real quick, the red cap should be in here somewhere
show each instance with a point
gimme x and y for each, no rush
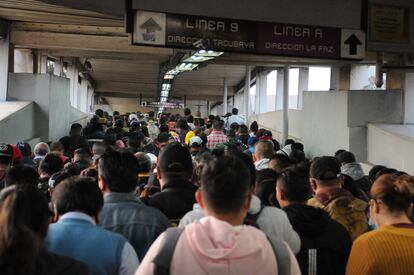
(17, 154)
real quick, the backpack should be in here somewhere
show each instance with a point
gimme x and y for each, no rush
(350, 214)
(251, 219)
(162, 260)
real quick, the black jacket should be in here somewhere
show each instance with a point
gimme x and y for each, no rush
(325, 242)
(176, 198)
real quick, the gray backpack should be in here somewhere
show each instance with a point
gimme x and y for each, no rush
(163, 258)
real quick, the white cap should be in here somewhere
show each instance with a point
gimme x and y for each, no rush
(133, 117)
(196, 140)
(153, 158)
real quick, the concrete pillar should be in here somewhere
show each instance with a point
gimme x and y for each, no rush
(208, 108)
(4, 64)
(409, 98)
(395, 80)
(279, 89)
(225, 97)
(261, 92)
(341, 78)
(285, 133)
(303, 85)
(246, 100)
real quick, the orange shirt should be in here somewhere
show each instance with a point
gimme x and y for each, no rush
(387, 250)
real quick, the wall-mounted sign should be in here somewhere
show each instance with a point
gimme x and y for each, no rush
(389, 24)
(166, 105)
(228, 35)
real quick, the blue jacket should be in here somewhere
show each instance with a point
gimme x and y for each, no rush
(79, 239)
(141, 225)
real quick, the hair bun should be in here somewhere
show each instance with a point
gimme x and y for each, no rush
(404, 185)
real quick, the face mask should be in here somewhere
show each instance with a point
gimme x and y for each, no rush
(372, 224)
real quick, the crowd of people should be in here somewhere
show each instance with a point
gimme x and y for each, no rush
(137, 194)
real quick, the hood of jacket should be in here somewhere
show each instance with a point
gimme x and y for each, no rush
(262, 164)
(353, 169)
(217, 244)
(307, 220)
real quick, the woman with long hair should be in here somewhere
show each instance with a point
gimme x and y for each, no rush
(24, 221)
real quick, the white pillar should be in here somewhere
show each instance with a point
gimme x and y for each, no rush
(262, 91)
(409, 98)
(4, 66)
(285, 103)
(303, 85)
(279, 89)
(225, 97)
(246, 100)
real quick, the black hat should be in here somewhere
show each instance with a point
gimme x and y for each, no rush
(6, 150)
(164, 137)
(57, 178)
(325, 168)
(175, 158)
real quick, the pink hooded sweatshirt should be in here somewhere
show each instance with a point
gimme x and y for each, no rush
(212, 246)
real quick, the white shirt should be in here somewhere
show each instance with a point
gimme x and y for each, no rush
(129, 258)
(234, 119)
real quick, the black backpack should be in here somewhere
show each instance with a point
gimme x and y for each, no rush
(251, 219)
(163, 258)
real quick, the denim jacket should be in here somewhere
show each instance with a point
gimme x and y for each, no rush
(125, 214)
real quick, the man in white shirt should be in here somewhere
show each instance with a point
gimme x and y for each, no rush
(234, 118)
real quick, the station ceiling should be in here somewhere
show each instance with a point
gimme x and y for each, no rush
(121, 70)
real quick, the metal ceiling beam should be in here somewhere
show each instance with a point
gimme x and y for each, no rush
(153, 96)
(46, 40)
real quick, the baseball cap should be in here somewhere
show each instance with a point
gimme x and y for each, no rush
(325, 168)
(196, 141)
(134, 123)
(175, 158)
(57, 178)
(6, 150)
(133, 117)
(153, 158)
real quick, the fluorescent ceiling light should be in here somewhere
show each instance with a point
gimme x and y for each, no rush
(164, 93)
(173, 72)
(195, 59)
(166, 86)
(169, 76)
(184, 67)
(208, 53)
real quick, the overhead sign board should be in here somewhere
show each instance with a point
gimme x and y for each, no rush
(389, 24)
(229, 35)
(167, 105)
